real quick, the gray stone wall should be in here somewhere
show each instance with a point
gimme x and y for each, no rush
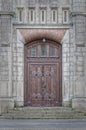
(79, 27)
(5, 50)
(5, 54)
(37, 4)
(6, 5)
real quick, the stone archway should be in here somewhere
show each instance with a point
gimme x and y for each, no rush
(27, 37)
(54, 36)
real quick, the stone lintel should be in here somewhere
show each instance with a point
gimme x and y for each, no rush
(7, 13)
(78, 13)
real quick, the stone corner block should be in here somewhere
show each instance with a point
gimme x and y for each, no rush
(79, 103)
(6, 104)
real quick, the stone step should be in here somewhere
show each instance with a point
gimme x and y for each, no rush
(43, 113)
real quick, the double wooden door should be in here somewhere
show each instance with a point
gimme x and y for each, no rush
(43, 74)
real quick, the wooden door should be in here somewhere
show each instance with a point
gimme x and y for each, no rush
(43, 74)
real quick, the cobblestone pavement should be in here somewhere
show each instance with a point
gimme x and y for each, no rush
(43, 124)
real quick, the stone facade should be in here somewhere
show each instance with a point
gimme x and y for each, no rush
(16, 30)
(79, 27)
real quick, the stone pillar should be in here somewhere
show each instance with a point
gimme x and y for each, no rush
(18, 67)
(65, 69)
(6, 14)
(79, 27)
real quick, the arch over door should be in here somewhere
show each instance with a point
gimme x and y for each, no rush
(43, 73)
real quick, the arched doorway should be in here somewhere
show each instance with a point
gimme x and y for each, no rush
(43, 64)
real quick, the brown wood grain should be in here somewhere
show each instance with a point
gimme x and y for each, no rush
(43, 75)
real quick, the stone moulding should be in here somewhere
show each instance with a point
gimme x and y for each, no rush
(7, 13)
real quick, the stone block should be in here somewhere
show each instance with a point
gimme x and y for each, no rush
(6, 104)
(66, 103)
(3, 88)
(79, 103)
(79, 87)
(19, 103)
(79, 68)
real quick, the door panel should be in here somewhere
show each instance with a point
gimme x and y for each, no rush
(43, 70)
(43, 84)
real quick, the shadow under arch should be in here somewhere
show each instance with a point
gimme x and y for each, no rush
(31, 35)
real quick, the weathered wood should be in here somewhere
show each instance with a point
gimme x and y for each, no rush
(43, 74)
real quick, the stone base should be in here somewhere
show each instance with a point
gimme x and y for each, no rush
(18, 104)
(79, 103)
(6, 104)
(66, 104)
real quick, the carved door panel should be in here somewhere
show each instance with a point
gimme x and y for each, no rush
(44, 85)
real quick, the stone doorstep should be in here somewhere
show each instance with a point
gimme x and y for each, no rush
(42, 128)
(43, 113)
